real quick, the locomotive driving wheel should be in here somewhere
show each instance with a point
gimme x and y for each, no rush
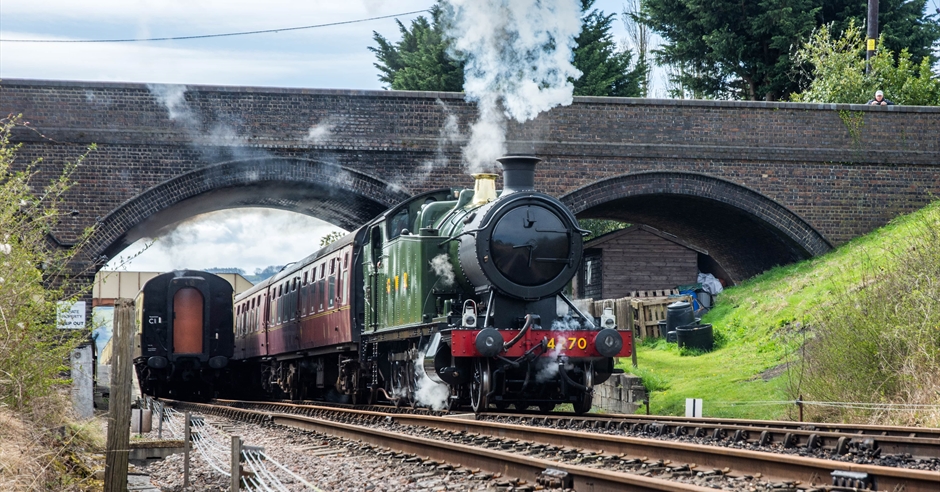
(583, 405)
(480, 386)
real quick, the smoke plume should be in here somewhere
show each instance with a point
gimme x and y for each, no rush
(518, 61)
(443, 269)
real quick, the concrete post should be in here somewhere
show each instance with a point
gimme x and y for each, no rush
(83, 390)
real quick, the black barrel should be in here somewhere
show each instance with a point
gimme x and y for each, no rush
(696, 336)
(679, 314)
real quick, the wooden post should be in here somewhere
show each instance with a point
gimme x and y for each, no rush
(159, 407)
(236, 462)
(187, 439)
(119, 408)
(632, 327)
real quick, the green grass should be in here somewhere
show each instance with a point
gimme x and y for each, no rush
(761, 324)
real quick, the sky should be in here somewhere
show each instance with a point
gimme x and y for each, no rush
(333, 57)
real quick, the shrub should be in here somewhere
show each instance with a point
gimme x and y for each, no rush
(34, 277)
(879, 343)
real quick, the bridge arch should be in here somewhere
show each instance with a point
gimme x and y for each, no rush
(336, 194)
(743, 230)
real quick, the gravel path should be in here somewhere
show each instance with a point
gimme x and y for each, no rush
(329, 463)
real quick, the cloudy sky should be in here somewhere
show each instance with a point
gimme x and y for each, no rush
(324, 57)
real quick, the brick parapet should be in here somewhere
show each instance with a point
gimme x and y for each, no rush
(838, 170)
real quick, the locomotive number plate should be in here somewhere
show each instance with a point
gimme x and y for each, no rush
(568, 343)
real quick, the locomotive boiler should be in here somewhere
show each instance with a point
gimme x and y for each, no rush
(184, 334)
(454, 297)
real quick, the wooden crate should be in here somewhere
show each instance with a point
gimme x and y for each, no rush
(649, 311)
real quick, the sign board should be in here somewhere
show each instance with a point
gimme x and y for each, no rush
(693, 407)
(70, 315)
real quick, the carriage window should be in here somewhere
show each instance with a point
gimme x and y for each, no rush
(346, 261)
(322, 270)
(313, 297)
(322, 291)
(332, 267)
(332, 291)
(305, 277)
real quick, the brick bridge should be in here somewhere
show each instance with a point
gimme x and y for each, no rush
(755, 184)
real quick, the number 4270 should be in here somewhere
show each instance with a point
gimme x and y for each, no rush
(580, 342)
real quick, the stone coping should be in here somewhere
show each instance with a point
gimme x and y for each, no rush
(629, 101)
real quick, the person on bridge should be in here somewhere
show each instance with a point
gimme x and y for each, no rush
(880, 100)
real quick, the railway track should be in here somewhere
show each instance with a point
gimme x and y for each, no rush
(566, 457)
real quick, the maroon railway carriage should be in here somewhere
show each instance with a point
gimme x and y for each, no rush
(299, 320)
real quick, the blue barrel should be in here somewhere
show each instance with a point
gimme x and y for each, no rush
(679, 314)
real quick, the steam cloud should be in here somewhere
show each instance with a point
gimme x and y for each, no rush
(518, 60)
(443, 269)
(450, 133)
(427, 392)
(173, 98)
(320, 133)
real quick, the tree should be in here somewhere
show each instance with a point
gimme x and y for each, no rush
(331, 238)
(599, 227)
(34, 278)
(640, 36)
(838, 71)
(742, 50)
(605, 71)
(901, 24)
(731, 49)
(420, 60)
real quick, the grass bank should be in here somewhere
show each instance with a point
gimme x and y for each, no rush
(763, 324)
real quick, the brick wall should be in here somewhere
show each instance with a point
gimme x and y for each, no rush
(766, 183)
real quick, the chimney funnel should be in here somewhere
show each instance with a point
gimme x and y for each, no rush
(518, 173)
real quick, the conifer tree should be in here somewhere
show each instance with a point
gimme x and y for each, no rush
(605, 71)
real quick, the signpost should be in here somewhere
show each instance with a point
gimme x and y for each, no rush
(70, 315)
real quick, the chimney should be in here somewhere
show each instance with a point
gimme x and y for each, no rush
(518, 173)
(484, 188)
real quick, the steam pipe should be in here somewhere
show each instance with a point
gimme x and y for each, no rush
(568, 380)
(388, 396)
(522, 332)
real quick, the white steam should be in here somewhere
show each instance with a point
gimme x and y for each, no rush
(173, 98)
(427, 392)
(518, 61)
(566, 323)
(443, 269)
(449, 134)
(548, 366)
(320, 133)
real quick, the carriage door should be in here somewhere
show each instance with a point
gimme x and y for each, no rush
(375, 283)
(187, 321)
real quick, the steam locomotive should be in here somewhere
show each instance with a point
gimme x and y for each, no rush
(454, 297)
(183, 338)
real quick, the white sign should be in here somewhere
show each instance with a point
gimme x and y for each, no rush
(693, 407)
(70, 316)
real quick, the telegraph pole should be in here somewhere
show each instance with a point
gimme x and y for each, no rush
(872, 35)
